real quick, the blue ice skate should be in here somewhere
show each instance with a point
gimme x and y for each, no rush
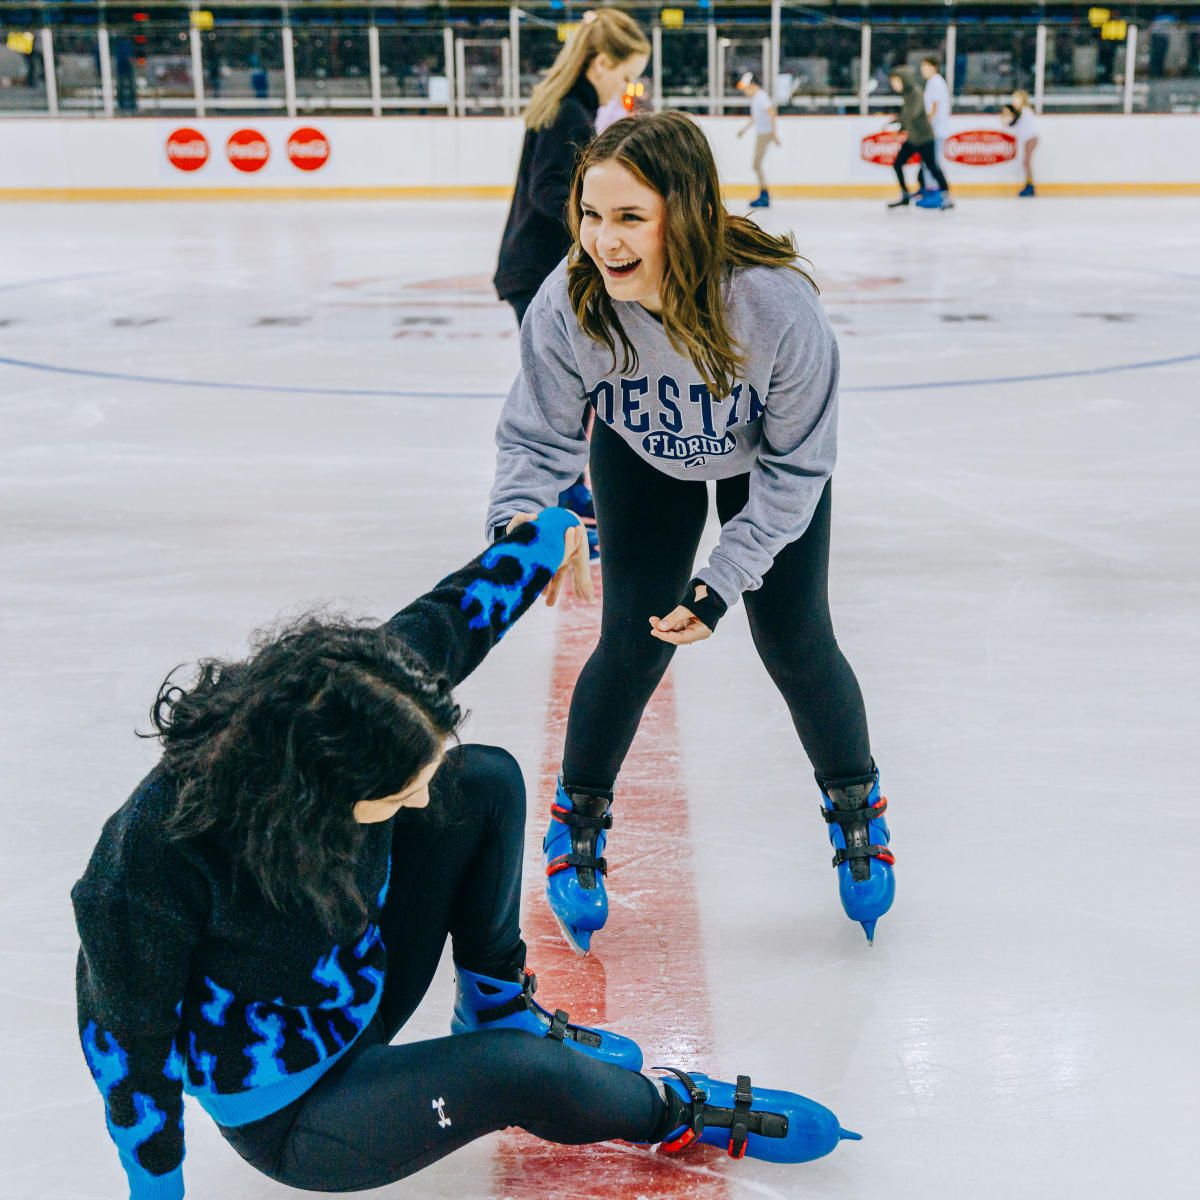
(853, 810)
(1028, 190)
(578, 499)
(934, 199)
(575, 866)
(780, 1127)
(763, 201)
(481, 1002)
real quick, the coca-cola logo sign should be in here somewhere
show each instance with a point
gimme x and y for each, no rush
(247, 150)
(308, 149)
(187, 149)
(980, 147)
(883, 147)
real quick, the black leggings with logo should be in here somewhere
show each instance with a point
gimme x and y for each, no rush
(383, 1112)
(650, 525)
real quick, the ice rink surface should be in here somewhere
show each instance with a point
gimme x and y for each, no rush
(211, 416)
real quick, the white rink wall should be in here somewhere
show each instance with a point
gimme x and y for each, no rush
(81, 159)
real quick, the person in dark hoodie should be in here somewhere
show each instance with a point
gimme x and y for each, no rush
(600, 60)
(913, 122)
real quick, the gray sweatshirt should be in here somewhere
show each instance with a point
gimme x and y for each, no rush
(779, 422)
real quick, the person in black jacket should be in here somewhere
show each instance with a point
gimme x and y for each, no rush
(600, 60)
(268, 908)
(602, 57)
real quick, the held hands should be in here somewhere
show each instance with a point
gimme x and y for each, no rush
(576, 562)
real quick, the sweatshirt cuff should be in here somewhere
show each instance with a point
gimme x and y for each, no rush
(144, 1186)
(710, 609)
(725, 579)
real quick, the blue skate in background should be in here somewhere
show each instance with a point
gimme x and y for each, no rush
(578, 499)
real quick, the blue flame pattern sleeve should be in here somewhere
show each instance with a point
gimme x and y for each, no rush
(453, 626)
(132, 973)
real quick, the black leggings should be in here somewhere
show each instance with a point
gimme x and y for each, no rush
(929, 162)
(375, 1116)
(650, 526)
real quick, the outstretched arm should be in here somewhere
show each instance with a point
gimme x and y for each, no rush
(454, 625)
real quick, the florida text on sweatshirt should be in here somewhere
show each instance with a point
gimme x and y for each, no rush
(187, 982)
(779, 421)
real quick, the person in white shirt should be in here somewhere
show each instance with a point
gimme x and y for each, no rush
(937, 106)
(1018, 115)
(762, 119)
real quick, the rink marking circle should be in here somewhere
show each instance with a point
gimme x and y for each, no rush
(389, 394)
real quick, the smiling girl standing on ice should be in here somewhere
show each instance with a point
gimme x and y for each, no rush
(703, 349)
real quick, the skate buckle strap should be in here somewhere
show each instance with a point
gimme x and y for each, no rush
(561, 1029)
(854, 816)
(560, 1022)
(880, 852)
(739, 1131)
(741, 1120)
(517, 1004)
(564, 861)
(692, 1131)
(568, 816)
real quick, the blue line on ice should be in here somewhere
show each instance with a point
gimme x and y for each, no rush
(388, 394)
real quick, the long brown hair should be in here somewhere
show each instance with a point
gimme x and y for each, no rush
(702, 242)
(604, 31)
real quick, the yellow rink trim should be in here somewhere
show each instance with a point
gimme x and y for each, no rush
(803, 191)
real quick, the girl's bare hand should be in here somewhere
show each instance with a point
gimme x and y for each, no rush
(680, 627)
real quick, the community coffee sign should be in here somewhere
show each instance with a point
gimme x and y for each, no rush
(971, 148)
(981, 147)
(248, 150)
(883, 147)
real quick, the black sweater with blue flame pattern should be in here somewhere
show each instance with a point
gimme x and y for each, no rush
(186, 982)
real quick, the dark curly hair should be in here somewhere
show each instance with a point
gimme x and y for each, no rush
(272, 753)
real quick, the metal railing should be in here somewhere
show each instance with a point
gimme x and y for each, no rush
(194, 62)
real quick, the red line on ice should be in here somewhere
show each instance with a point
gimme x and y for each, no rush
(647, 976)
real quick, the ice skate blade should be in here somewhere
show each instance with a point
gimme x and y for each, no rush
(581, 948)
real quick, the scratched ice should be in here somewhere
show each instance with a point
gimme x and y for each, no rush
(1014, 579)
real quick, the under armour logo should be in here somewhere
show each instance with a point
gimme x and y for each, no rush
(443, 1120)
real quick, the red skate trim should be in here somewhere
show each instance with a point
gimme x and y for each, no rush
(686, 1138)
(557, 864)
(736, 1154)
(886, 856)
(555, 809)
